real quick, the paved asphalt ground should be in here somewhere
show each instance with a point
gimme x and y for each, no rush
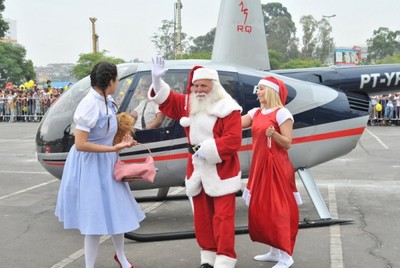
(363, 185)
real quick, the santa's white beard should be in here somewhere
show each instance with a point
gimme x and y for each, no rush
(202, 102)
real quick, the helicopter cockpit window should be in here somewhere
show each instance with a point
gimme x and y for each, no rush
(147, 113)
(123, 87)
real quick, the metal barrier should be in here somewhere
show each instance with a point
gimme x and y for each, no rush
(23, 109)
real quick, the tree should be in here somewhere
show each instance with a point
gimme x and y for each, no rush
(280, 29)
(383, 43)
(13, 65)
(203, 43)
(275, 59)
(390, 59)
(325, 41)
(309, 41)
(164, 40)
(3, 24)
(299, 63)
(317, 42)
(86, 63)
(199, 55)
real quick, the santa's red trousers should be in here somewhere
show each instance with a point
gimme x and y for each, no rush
(214, 223)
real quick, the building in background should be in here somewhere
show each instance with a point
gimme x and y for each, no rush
(350, 56)
(55, 72)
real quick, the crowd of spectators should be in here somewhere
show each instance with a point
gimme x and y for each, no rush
(385, 110)
(27, 104)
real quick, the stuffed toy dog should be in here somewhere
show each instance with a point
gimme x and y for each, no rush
(125, 126)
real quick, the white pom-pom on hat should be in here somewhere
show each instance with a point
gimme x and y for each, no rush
(185, 121)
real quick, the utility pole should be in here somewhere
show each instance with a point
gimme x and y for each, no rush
(178, 34)
(95, 37)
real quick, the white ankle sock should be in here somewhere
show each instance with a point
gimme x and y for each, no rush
(273, 255)
(285, 261)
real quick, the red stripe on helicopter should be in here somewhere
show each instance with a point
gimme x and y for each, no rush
(311, 138)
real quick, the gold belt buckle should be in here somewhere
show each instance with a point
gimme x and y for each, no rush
(195, 148)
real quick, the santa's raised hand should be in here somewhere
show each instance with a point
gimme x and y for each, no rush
(157, 71)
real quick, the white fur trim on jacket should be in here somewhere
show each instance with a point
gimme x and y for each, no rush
(224, 107)
(162, 95)
(205, 176)
(222, 261)
(211, 151)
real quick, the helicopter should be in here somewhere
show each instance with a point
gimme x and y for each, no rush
(330, 106)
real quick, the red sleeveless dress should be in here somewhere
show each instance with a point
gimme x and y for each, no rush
(273, 211)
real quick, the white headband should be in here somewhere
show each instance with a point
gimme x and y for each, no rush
(269, 84)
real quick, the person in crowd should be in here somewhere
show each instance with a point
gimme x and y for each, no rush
(12, 105)
(397, 102)
(90, 199)
(211, 119)
(147, 115)
(372, 110)
(388, 115)
(2, 104)
(271, 127)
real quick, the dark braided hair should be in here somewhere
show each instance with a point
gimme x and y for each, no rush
(100, 77)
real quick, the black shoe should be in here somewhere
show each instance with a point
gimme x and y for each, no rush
(205, 265)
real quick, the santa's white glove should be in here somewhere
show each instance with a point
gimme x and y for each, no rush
(157, 71)
(200, 153)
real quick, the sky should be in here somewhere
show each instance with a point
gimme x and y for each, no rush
(58, 31)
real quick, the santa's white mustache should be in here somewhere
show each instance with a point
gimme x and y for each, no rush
(201, 95)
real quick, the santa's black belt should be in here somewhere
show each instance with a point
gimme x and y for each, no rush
(193, 148)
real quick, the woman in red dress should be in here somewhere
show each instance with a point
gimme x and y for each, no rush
(273, 212)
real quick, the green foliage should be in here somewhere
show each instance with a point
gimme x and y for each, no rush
(203, 43)
(3, 24)
(275, 59)
(317, 40)
(299, 63)
(383, 43)
(165, 40)
(198, 55)
(86, 63)
(280, 29)
(309, 40)
(13, 65)
(390, 59)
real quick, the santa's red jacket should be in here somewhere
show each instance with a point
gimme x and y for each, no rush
(219, 131)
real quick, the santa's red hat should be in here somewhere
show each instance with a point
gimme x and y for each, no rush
(190, 79)
(276, 85)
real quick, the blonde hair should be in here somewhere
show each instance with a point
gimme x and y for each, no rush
(272, 98)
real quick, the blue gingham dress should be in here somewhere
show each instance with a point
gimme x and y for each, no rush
(90, 199)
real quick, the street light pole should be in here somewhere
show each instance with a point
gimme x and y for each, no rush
(330, 47)
(95, 37)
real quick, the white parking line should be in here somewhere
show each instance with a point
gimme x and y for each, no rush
(27, 189)
(336, 248)
(24, 172)
(378, 139)
(79, 253)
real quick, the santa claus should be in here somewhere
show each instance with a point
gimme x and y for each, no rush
(212, 121)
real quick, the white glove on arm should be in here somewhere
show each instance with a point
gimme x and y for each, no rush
(200, 153)
(157, 71)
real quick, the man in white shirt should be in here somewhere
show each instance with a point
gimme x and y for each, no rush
(147, 115)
